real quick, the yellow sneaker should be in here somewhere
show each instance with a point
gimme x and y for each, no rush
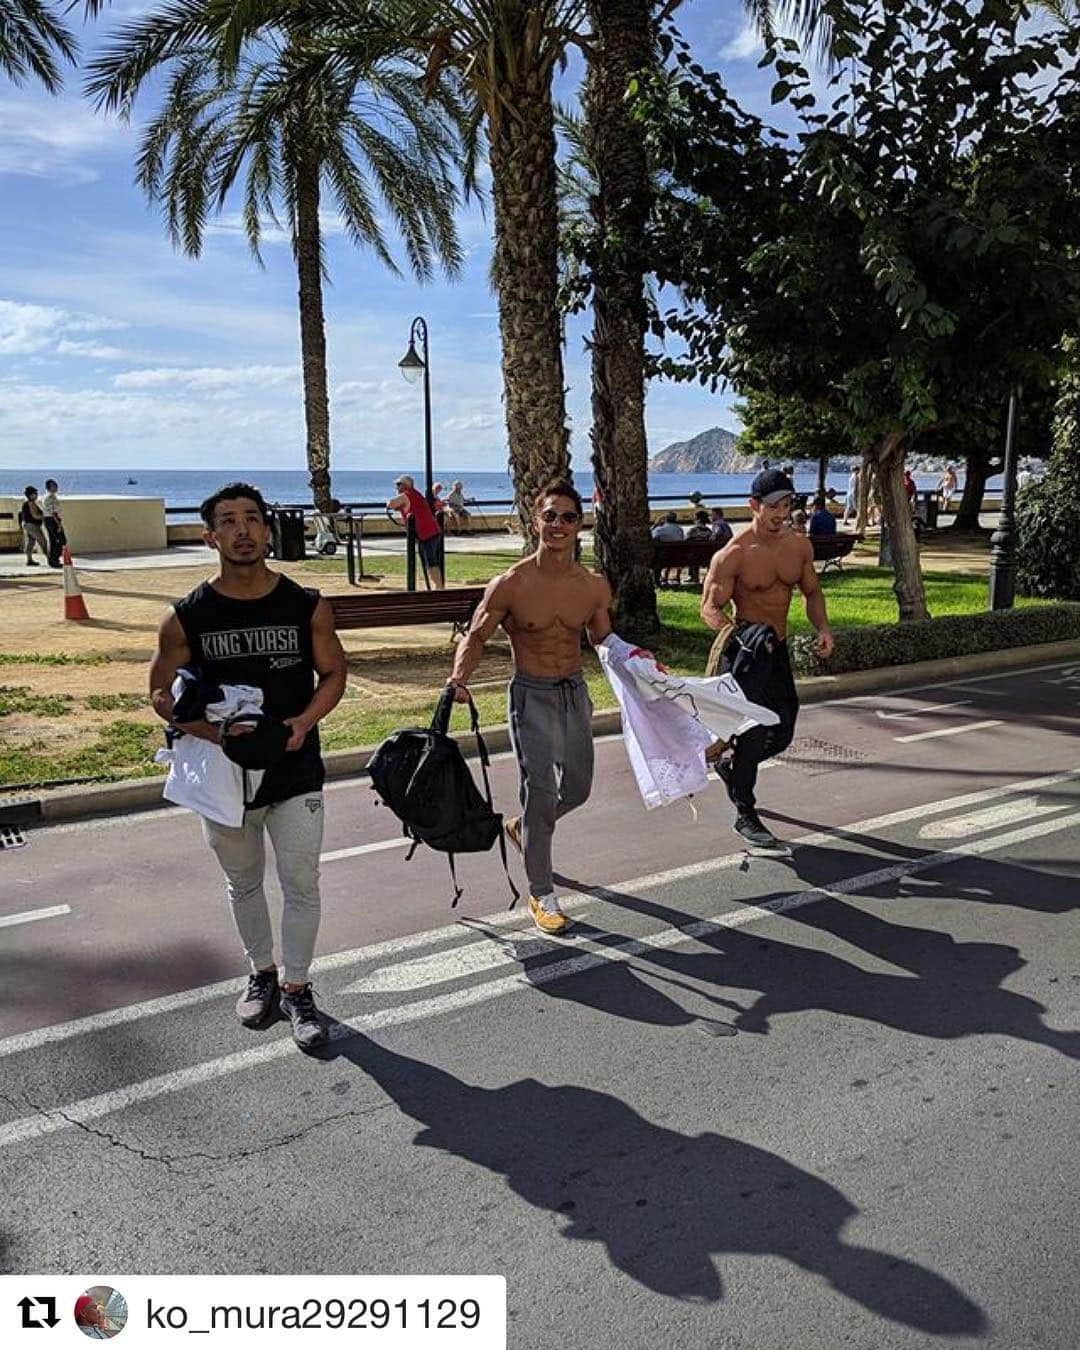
(512, 826)
(548, 921)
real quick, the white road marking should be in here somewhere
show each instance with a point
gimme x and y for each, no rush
(33, 915)
(338, 853)
(917, 712)
(53, 1120)
(62, 1031)
(1019, 808)
(949, 731)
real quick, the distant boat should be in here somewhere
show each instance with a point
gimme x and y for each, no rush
(132, 481)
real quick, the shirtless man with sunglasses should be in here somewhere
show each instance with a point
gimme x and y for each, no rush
(543, 602)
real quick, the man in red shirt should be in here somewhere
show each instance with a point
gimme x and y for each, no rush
(409, 502)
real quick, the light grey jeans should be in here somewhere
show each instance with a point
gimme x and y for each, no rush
(295, 828)
(551, 731)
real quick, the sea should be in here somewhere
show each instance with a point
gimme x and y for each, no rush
(188, 487)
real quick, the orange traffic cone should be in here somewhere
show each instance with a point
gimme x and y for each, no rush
(74, 604)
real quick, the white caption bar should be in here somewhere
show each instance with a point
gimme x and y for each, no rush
(387, 1312)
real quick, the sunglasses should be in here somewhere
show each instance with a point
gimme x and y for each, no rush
(567, 517)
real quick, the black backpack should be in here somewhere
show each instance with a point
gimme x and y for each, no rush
(422, 776)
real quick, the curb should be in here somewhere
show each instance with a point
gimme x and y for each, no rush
(142, 794)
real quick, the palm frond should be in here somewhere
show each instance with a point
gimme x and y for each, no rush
(31, 41)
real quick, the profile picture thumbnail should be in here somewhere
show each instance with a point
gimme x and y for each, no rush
(101, 1312)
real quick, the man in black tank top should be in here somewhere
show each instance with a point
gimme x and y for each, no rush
(253, 626)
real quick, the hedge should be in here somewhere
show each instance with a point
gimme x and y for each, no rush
(956, 635)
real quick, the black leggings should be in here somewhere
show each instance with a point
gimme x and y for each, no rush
(773, 686)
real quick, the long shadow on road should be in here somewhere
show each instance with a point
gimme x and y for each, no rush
(957, 991)
(662, 1203)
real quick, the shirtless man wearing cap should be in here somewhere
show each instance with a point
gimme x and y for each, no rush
(757, 572)
(543, 602)
(249, 625)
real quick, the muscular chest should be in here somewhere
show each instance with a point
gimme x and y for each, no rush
(766, 568)
(541, 611)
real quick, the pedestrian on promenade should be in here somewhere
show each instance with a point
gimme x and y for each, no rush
(543, 602)
(757, 573)
(54, 524)
(851, 501)
(947, 487)
(251, 626)
(32, 520)
(408, 502)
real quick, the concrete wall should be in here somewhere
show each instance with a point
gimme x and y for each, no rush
(98, 524)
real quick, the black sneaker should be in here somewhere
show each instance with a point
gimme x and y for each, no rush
(749, 828)
(257, 1001)
(307, 1027)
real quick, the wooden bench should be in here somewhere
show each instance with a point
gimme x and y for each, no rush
(692, 553)
(831, 549)
(400, 609)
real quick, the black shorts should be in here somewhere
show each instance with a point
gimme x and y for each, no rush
(431, 550)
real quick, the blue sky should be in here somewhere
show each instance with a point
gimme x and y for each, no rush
(116, 351)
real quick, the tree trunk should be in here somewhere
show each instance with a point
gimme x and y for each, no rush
(822, 474)
(975, 476)
(622, 45)
(308, 252)
(908, 585)
(525, 269)
(862, 512)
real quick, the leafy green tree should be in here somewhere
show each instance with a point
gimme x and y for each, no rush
(785, 430)
(250, 105)
(908, 257)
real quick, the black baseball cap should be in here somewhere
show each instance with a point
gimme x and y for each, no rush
(771, 486)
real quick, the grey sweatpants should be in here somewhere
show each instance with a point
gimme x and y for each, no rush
(551, 731)
(295, 827)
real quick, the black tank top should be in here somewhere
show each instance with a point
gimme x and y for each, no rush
(267, 643)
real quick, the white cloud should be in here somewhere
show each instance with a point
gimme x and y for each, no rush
(477, 421)
(99, 351)
(272, 232)
(29, 329)
(60, 139)
(207, 379)
(745, 45)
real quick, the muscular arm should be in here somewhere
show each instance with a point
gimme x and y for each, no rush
(398, 503)
(172, 653)
(814, 596)
(599, 622)
(490, 612)
(329, 660)
(720, 586)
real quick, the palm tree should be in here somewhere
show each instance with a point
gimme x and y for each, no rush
(505, 53)
(31, 40)
(622, 45)
(245, 106)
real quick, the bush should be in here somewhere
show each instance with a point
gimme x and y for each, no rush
(956, 635)
(1047, 519)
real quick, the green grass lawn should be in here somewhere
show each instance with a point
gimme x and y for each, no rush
(465, 569)
(856, 597)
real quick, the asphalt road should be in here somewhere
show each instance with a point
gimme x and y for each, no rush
(756, 1105)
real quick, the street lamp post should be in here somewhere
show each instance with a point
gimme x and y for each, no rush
(413, 365)
(1003, 540)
